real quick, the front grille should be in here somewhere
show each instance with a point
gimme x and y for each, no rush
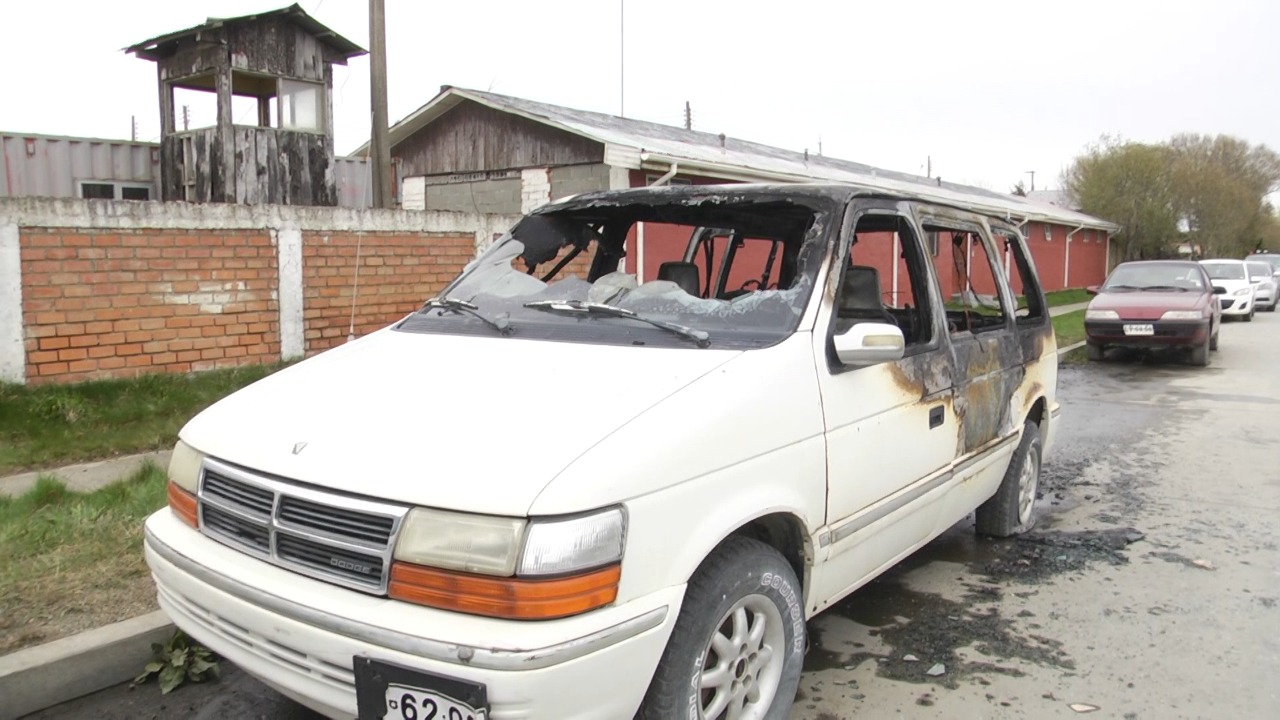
(251, 534)
(373, 529)
(343, 540)
(1227, 303)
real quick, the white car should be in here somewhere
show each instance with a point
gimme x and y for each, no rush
(1266, 288)
(1239, 300)
(597, 495)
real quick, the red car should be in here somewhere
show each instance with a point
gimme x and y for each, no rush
(1154, 304)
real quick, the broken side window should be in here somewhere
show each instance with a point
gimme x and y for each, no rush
(885, 279)
(1023, 282)
(969, 279)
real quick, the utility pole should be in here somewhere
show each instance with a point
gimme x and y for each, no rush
(928, 164)
(379, 152)
(186, 117)
(622, 58)
(1032, 173)
(133, 125)
(688, 116)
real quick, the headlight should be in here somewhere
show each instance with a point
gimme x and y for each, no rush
(184, 476)
(1101, 315)
(465, 563)
(561, 546)
(458, 541)
(1182, 315)
(184, 467)
(505, 546)
(1242, 292)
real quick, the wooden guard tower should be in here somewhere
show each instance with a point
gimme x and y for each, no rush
(272, 139)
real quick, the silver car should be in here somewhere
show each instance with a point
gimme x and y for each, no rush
(1266, 282)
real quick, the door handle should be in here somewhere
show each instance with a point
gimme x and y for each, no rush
(935, 416)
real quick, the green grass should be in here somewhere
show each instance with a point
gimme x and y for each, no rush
(1069, 327)
(1070, 296)
(71, 561)
(50, 425)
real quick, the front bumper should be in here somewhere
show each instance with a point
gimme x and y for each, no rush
(1236, 305)
(1167, 333)
(299, 635)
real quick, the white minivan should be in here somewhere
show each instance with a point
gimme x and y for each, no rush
(617, 464)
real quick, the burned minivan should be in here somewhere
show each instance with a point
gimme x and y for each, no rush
(613, 468)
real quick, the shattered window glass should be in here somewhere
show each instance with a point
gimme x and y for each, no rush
(738, 268)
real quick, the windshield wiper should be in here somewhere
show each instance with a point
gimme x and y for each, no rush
(1165, 287)
(581, 307)
(1121, 287)
(462, 307)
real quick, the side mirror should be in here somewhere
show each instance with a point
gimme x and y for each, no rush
(1092, 289)
(870, 344)
(1219, 290)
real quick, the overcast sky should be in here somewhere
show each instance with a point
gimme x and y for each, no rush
(988, 89)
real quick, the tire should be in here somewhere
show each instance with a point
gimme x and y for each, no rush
(1249, 317)
(1213, 341)
(1200, 354)
(743, 584)
(1094, 352)
(1011, 511)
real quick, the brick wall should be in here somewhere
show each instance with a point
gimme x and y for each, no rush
(396, 274)
(121, 303)
(92, 288)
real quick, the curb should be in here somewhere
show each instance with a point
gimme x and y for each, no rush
(1069, 348)
(46, 675)
(86, 477)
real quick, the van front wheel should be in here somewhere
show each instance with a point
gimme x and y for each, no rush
(738, 645)
(1012, 509)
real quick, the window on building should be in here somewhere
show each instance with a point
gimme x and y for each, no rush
(653, 178)
(301, 105)
(97, 191)
(110, 190)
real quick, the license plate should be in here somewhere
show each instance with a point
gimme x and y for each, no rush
(1139, 330)
(394, 692)
(410, 703)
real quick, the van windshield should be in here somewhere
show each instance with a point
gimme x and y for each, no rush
(726, 269)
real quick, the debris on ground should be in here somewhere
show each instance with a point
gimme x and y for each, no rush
(936, 671)
(1084, 708)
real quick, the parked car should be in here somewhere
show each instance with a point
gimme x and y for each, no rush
(1232, 276)
(1154, 304)
(1270, 258)
(1266, 287)
(567, 490)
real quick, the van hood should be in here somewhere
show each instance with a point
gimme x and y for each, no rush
(474, 424)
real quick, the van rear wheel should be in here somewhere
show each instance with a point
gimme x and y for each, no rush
(1011, 510)
(738, 646)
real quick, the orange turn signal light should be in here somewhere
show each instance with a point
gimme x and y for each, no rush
(504, 597)
(183, 504)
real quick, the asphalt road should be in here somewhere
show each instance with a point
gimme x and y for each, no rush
(1149, 589)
